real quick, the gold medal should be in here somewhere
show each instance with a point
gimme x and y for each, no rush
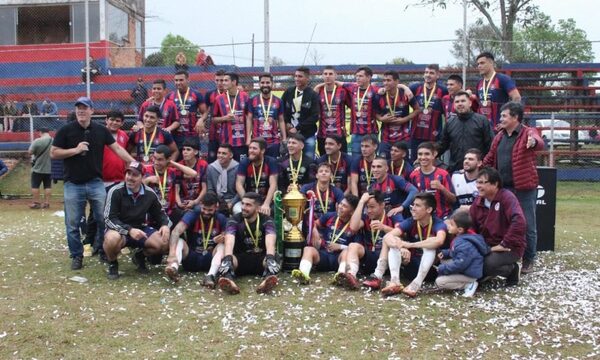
(425, 111)
(163, 202)
(329, 114)
(358, 114)
(486, 89)
(427, 100)
(183, 112)
(484, 103)
(146, 158)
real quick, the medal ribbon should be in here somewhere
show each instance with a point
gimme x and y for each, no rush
(254, 236)
(335, 237)
(207, 238)
(375, 235)
(392, 108)
(427, 100)
(148, 145)
(486, 89)
(258, 175)
(295, 172)
(182, 102)
(401, 168)
(337, 164)
(428, 229)
(162, 185)
(360, 101)
(326, 206)
(232, 107)
(266, 111)
(297, 99)
(367, 173)
(328, 101)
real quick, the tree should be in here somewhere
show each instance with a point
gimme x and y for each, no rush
(400, 61)
(480, 38)
(512, 13)
(155, 59)
(173, 44)
(276, 61)
(316, 57)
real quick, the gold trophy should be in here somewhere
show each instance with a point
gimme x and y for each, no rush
(294, 203)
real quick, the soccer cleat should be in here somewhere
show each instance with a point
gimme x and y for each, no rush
(351, 282)
(87, 250)
(267, 284)
(139, 260)
(172, 273)
(338, 279)
(77, 263)
(372, 282)
(411, 290)
(470, 289)
(35, 205)
(228, 285)
(209, 281)
(113, 270)
(301, 277)
(392, 289)
(515, 275)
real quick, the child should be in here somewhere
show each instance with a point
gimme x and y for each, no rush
(462, 263)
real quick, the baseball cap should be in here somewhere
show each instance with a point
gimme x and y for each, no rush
(85, 101)
(134, 165)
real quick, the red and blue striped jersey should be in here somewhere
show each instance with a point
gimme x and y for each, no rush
(232, 132)
(268, 130)
(394, 132)
(335, 196)
(410, 232)
(214, 129)
(169, 190)
(329, 233)
(168, 112)
(423, 181)
(366, 122)
(187, 123)
(192, 186)
(250, 172)
(137, 139)
(367, 233)
(396, 191)
(365, 177)
(497, 96)
(428, 126)
(332, 119)
(403, 170)
(198, 232)
(340, 170)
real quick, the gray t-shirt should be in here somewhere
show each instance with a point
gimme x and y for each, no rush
(40, 148)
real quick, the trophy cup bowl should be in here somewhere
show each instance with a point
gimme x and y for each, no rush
(294, 203)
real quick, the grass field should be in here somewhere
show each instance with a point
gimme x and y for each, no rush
(554, 313)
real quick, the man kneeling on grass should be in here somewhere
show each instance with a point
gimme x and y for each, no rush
(249, 247)
(128, 204)
(204, 249)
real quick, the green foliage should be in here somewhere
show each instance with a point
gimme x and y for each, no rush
(173, 44)
(400, 61)
(155, 59)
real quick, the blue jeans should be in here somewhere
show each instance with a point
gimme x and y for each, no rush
(527, 199)
(384, 149)
(76, 196)
(310, 144)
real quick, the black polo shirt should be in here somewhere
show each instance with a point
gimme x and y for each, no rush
(82, 168)
(504, 156)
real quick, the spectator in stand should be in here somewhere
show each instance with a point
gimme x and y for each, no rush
(94, 71)
(30, 108)
(49, 107)
(181, 62)
(10, 112)
(139, 94)
(204, 60)
(41, 169)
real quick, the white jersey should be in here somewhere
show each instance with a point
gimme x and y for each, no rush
(465, 190)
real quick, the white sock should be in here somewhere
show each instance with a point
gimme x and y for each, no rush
(353, 268)
(216, 260)
(305, 267)
(342, 267)
(395, 260)
(179, 251)
(382, 265)
(426, 262)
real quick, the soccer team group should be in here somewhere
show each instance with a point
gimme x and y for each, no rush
(438, 184)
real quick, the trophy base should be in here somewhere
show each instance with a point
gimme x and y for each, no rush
(292, 249)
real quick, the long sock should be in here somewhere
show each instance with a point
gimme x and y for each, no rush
(382, 265)
(179, 251)
(342, 267)
(305, 267)
(216, 260)
(395, 260)
(353, 268)
(426, 262)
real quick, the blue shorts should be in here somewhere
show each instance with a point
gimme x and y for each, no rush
(139, 244)
(328, 261)
(369, 262)
(196, 261)
(410, 270)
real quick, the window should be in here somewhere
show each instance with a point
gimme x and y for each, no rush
(138, 35)
(8, 20)
(78, 22)
(117, 24)
(43, 25)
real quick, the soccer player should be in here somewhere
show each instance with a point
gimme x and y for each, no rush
(298, 169)
(399, 164)
(512, 153)
(257, 173)
(432, 179)
(189, 104)
(393, 110)
(230, 112)
(374, 224)
(423, 234)
(128, 206)
(463, 131)
(340, 162)
(398, 193)
(205, 122)
(493, 90)
(361, 176)
(463, 181)
(331, 235)
(454, 84)
(168, 116)
(271, 126)
(332, 119)
(249, 247)
(189, 190)
(204, 249)
(162, 178)
(149, 136)
(301, 109)
(221, 177)
(427, 125)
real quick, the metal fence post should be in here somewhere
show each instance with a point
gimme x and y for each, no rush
(30, 128)
(551, 156)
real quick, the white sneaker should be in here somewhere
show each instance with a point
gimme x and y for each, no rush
(470, 289)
